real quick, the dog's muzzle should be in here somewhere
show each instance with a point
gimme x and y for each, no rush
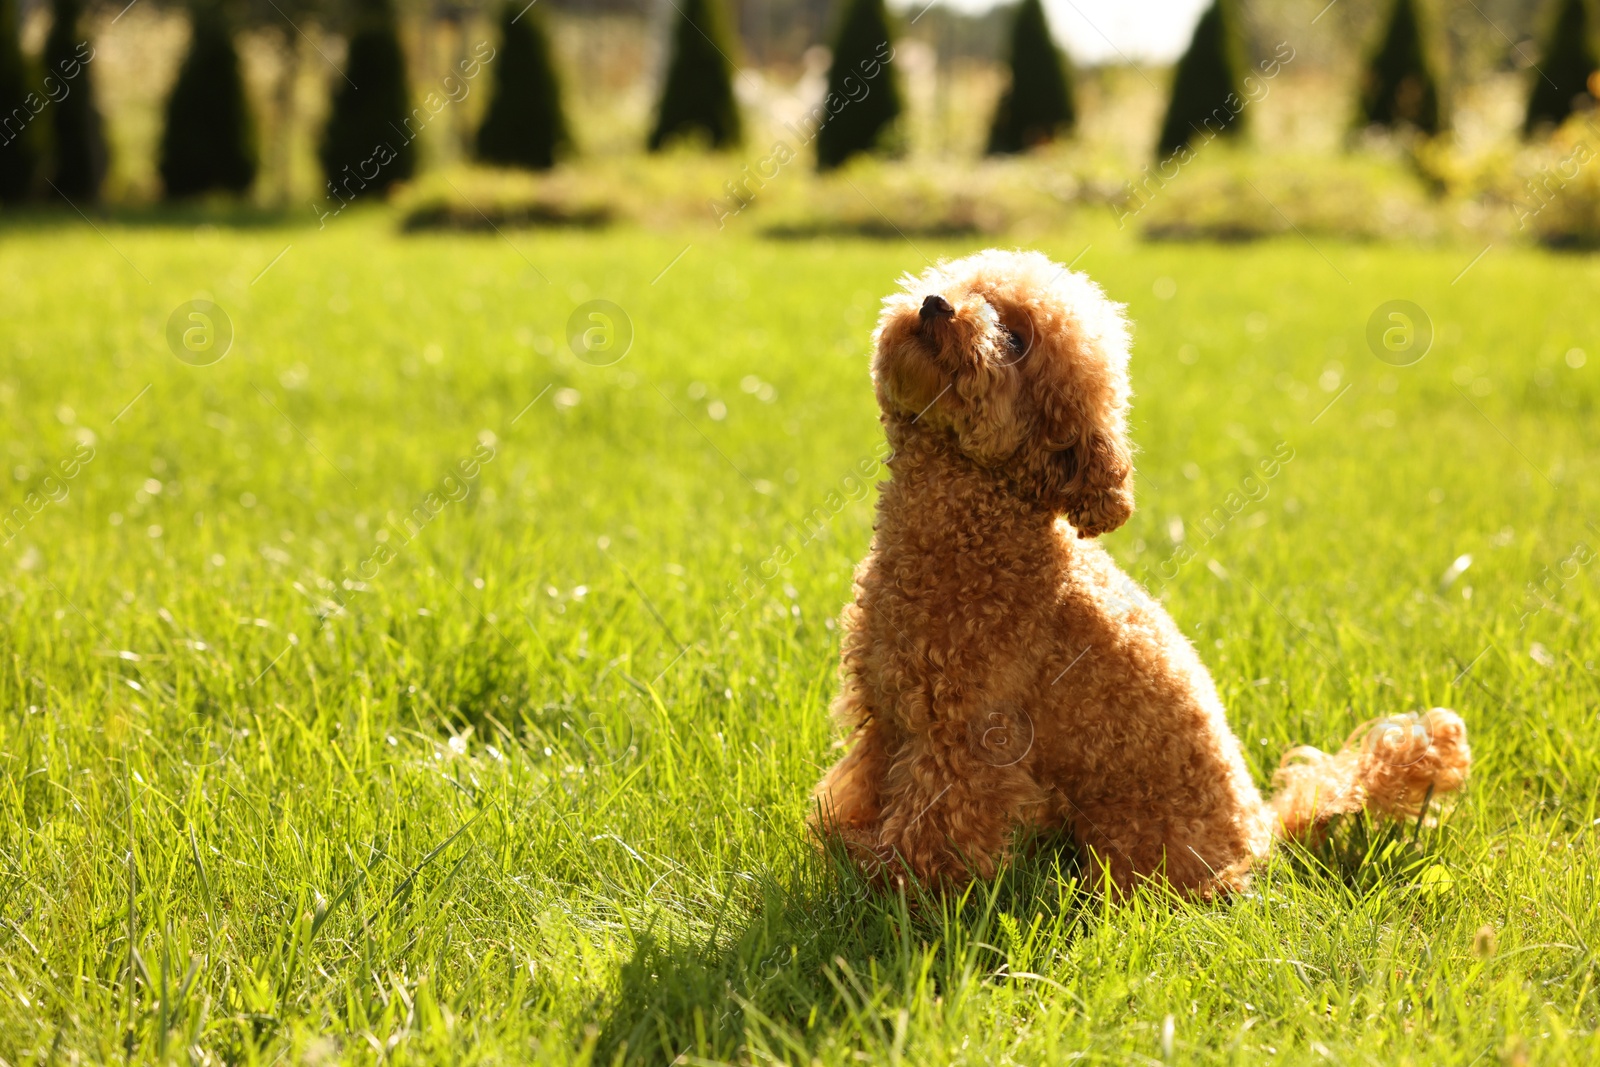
(936, 307)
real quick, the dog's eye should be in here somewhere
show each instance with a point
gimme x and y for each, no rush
(1014, 340)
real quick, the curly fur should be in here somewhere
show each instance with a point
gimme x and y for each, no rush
(998, 669)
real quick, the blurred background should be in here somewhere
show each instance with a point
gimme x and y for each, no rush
(1406, 119)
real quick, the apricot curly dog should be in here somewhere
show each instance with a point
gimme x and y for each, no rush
(1000, 671)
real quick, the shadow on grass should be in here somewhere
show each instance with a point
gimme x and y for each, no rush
(825, 959)
(824, 956)
(1366, 854)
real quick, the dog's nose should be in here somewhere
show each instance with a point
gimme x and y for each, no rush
(936, 307)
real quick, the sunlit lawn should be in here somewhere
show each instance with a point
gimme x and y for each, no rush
(381, 690)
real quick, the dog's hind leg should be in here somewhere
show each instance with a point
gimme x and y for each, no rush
(948, 815)
(848, 802)
(1200, 854)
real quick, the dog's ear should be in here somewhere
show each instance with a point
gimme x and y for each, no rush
(1087, 464)
(1091, 480)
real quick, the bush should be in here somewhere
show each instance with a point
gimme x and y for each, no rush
(19, 155)
(1037, 106)
(894, 201)
(480, 199)
(697, 98)
(1552, 187)
(863, 101)
(1398, 87)
(368, 142)
(525, 126)
(1562, 80)
(1209, 73)
(208, 142)
(1236, 196)
(78, 142)
(1573, 221)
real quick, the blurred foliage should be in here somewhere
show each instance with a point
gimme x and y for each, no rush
(208, 141)
(864, 100)
(957, 36)
(483, 199)
(866, 198)
(892, 201)
(19, 152)
(1242, 196)
(1398, 85)
(371, 108)
(1207, 88)
(1556, 194)
(1038, 105)
(1565, 69)
(526, 125)
(78, 142)
(293, 59)
(697, 100)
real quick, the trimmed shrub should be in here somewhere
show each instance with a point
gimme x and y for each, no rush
(208, 143)
(1037, 106)
(697, 97)
(864, 100)
(19, 153)
(78, 143)
(1207, 87)
(368, 142)
(525, 126)
(475, 199)
(1224, 196)
(1551, 186)
(1561, 80)
(1398, 86)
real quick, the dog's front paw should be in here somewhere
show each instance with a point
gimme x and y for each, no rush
(861, 846)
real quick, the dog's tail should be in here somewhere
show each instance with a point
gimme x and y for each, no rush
(1390, 767)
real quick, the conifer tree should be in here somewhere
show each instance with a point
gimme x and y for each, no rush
(1207, 87)
(208, 143)
(1037, 106)
(369, 143)
(525, 125)
(697, 98)
(863, 100)
(78, 142)
(1561, 79)
(19, 153)
(1398, 87)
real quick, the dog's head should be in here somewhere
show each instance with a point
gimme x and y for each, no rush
(1024, 365)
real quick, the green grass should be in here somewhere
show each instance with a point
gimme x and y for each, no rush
(528, 793)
